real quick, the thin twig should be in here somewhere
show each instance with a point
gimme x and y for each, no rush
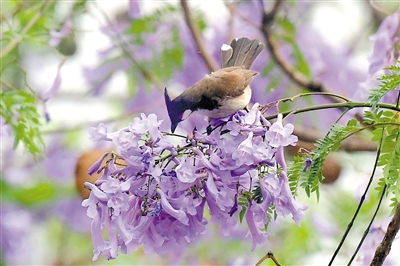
(27, 27)
(377, 8)
(271, 256)
(369, 226)
(350, 225)
(232, 11)
(124, 47)
(351, 144)
(349, 105)
(275, 52)
(384, 247)
(208, 60)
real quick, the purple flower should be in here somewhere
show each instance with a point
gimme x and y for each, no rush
(286, 204)
(144, 125)
(186, 171)
(259, 237)
(126, 141)
(279, 135)
(157, 196)
(96, 166)
(98, 133)
(307, 164)
(382, 56)
(244, 152)
(178, 214)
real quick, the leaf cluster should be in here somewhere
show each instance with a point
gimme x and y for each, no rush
(385, 128)
(387, 131)
(18, 108)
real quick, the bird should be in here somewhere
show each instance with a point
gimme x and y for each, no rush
(223, 92)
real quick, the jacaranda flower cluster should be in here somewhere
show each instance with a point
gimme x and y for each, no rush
(156, 193)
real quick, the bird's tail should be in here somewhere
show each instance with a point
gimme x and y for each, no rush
(241, 52)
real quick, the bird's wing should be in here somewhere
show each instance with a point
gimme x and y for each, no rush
(226, 82)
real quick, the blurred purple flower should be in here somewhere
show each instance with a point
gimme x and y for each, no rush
(384, 40)
(71, 212)
(384, 54)
(100, 76)
(134, 9)
(15, 227)
(373, 239)
(52, 91)
(60, 162)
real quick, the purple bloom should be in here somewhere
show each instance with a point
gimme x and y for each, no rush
(126, 141)
(186, 171)
(286, 204)
(279, 135)
(178, 214)
(96, 166)
(157, 195)
(148, 124)
(98, 133)
(307, 164)
(259, 237)
(244, 152)
(51, 92)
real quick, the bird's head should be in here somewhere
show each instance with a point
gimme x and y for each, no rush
(175, 110)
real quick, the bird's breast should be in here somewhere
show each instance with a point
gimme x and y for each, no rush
(229, 105)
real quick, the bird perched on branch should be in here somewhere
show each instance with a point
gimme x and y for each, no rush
(223, 92)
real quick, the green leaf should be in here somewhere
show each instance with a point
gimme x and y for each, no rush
(324, 147)
(39, 193)
(141, 25)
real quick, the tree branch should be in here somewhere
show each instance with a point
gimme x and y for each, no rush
(273, 47)
(208, 60)
(384, 247)
(120, 42)
(15, 41)
(351, 144)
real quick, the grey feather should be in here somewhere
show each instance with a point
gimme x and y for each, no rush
(245, 52)
(226, 54)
